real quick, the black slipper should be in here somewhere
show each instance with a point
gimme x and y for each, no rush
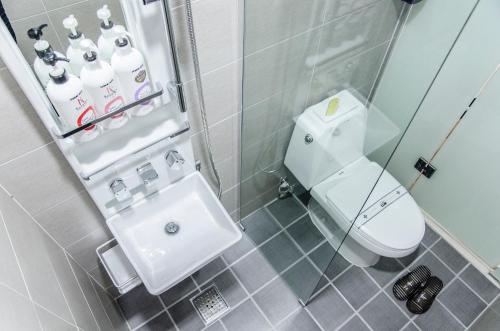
(411, 282)
(423, 298)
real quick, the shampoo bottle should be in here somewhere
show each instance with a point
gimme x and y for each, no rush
(71, 101)
(106, 42)
(42, 47)
(100, 81)
(74, 52)
(130, 68)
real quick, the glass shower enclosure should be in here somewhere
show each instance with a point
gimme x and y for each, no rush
(315, 141)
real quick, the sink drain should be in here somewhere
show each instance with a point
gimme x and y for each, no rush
(171, 228)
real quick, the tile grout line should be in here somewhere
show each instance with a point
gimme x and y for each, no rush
(148, 320)
(81, 290)
(484, 311)
(251, 298)
(317, 269)
(19, 267)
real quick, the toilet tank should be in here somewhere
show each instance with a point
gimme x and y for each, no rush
(327, 137)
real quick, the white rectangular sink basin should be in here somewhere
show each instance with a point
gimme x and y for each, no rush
(163, 259)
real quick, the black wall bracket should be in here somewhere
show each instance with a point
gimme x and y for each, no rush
(424, 167)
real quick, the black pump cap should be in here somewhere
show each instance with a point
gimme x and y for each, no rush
(36, 33)
(90, 58)
(41, 54)
(59, 76)
(121, 42)
(75, 36)
(107, 27)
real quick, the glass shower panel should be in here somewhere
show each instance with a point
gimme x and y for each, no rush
(310, 69)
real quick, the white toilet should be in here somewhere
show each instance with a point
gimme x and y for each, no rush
(326, 155)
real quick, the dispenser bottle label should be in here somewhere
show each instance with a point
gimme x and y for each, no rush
(76, 111)
(109, 98)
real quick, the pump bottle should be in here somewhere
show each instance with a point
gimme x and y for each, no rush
(130, 68)
(74, 52)
(71, 101)
(42, 47)
(106, 41)
(100, 81)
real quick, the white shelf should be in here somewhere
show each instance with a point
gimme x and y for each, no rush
(114, 145)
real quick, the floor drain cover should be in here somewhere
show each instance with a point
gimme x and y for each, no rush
(210, 304)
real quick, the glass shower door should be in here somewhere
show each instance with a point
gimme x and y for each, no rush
(308, 129)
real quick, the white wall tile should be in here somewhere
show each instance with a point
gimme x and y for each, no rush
(17, 312)
(41, 179)
(72, 219)
(20, 129)
(83, 251)
(32, 248)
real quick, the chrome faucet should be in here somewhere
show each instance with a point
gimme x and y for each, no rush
(147, 173)
(120, 190)
(174, 160)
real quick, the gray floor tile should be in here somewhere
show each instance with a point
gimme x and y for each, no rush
(246, 317)
(178, 291)
(437, 267)
(281, 252)
(286, 210)
(322, 257)
(138, 306)
(385, 270)
(464, 304)
(185, 316)
(479, 283)
(437, 318)
(489, 321)
(239, 249)
(209, 271)
(410, 327)
(217, 326)
(305, 233)
(496, 305)
(160, 323)
(356, 286)
(382, 314)
(408, 260)
(229, 287)
(430, 237)
(299, 321)
(276, 300)
(260, 226)
(254, 271)
(302, 278)
(330, 309)
(449, 255)
(354, 324)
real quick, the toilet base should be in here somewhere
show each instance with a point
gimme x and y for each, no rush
(350, 249)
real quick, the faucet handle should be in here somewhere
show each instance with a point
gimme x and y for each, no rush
(174, 160)
(147, 173)
(120, 190)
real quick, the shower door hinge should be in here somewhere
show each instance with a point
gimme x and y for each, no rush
(425, 168)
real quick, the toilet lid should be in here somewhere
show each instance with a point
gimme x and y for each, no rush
(396, 228)
(348, 196)
(390, 218)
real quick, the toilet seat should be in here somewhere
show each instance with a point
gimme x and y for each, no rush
(389, 206)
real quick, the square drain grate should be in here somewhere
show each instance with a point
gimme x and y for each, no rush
(210, 304)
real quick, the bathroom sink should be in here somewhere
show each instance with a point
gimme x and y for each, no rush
(173, 233)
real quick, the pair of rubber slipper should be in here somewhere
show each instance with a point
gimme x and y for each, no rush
(419, 288)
